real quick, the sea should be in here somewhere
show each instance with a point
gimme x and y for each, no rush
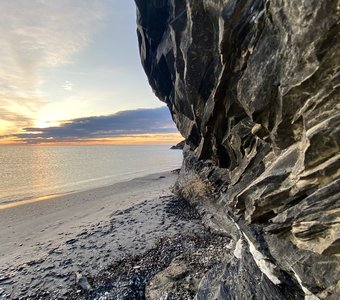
(36, 171)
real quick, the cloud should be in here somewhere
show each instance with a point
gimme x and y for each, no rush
(68, 86)
(7, 115)
(10, 121)
(47, 33)
(36, 35)
(122, 124)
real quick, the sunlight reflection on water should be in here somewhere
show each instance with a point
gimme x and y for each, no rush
(36, 171)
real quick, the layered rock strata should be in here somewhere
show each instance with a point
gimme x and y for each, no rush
(253, 86)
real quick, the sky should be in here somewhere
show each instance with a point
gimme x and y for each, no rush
(68, 67)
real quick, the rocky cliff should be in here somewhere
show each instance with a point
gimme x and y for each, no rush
(253, 86)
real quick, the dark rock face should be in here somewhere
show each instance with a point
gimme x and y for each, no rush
(253, 86)
(179, 146)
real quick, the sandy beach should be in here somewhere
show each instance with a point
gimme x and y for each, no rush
(44, 245)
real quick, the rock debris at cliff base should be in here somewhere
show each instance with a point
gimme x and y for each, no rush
(253, 86)
(172, 269)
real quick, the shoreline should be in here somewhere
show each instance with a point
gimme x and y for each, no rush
(29, 200)
(20, 224)
(55, 196)
(155, 248)
(125, 241)
(46, 243)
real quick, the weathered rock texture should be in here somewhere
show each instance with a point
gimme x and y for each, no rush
(253, 86)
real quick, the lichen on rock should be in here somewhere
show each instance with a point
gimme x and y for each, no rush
(253, 86)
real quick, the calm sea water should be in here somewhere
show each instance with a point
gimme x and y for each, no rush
(34, 171)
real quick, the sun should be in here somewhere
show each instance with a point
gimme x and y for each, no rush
(45, 123)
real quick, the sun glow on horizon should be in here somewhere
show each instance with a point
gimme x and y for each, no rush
(143, 139)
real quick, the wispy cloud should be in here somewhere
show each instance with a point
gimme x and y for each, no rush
(122, 124)
(36, 35)
(9, 120)
(68, 86)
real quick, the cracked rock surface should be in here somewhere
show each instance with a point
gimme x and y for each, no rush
(253, 86)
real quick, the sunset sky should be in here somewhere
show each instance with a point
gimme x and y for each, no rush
(70, 73)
